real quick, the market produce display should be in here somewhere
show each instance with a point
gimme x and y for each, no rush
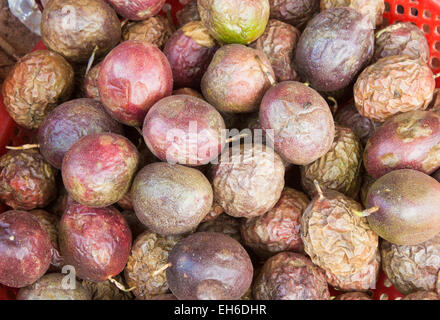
(222, 150)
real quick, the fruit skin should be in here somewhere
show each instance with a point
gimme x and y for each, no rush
(340, 242)
(134, 76)
(148, 254)
(422, 295)
(91, 83)
(190, 12)
(49, 287)
(98, 169)
(137, 9)
(412, 268)
(410, 140)
(301, 119)
(408, 202)
(294, 12)
(209, 266)
(401, 38)
(171, 199)
(68, 123)
(353, 296)
(27, 181)
(334, 47)
(189, 52)
(394, 84)
(73, 28)
(95, 241)
(35, 86)
(235, 81)
(278, 42)
(278, 229)
(184, 129)
(290, 276)
(248, 180)
(188, 91)
(156, 30)
(24, 249)
(225, 224)
(234, 21)
(339, 169)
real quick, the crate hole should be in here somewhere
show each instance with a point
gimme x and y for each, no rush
(414, 12)
(426, 29)
(437, 46)
(400, 9)
(387, 7)
(427, 14)
(435, 63)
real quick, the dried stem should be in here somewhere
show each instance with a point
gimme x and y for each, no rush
(266, 71)
(24, 147)
(162, 269)
(366, 212)
(124, 22)
(318, 189)
(139, 130)
(120, 286)
(307, 84)
(8, 49)
(237, 137)
(91, 60)
(335, 102)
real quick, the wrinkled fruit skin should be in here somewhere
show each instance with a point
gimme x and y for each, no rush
(301, 119)
(278, 42)
(171, 199)
(374, 9)
(353, 296)
(149, 253)
(106, 290)
(223, 224)
(184, 129)
(49, 222)
(334, 47)
(189, 52)
(401, 38)
(294, 12)
(137, 9)
(278, 229)
(190, 12)
(27, 181)
(214, 213)
(248, 180)
(91, 83)
(412, 268)
(95, 241)
(408, 202)
(290, 276)
(24, 249)
(156, 30)
(235, 81)
(50, 287)
(209, 266)
(98, 169)
(340, 242)
(361, 126)
(392, 85)
(422, 295)
(339, 169)
(134, 76)
(234, 21)
(69, 122)
(73, 28)
(405, 141)
(35, 86)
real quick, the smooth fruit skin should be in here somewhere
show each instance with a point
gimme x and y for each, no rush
(95, 241)
(235, 21)
(137, 9)
(409, 207)
(98, 169)
(25, 249)
(134, 76)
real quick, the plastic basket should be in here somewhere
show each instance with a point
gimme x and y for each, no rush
(424, 13)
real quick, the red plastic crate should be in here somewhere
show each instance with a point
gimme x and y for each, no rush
(424, 13)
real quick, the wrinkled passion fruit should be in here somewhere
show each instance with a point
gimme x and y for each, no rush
(134, 76)
(75, 28)
(98, 169)
(137, 9)
(294, 12)
(190, 12)
(91, 83)
(209, 266)
(95, 241)
(156, 30)
(35, 86)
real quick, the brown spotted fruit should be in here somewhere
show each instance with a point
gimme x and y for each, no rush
(98, 169)
(408, 203)
(156, 30)
(95, 241)
(410, 140)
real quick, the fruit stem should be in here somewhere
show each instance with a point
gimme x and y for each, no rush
(335, 106)
(162, 269)
(318, 189)
(24, 147)
(139, 131)
(124, 22)
(237, 137)
(436, 75)
(91, 60)
(378, 34)
(366, 212)
(266, 71)
(307, 84)
(119, 285)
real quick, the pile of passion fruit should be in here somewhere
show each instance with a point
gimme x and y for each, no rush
(148, 178)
